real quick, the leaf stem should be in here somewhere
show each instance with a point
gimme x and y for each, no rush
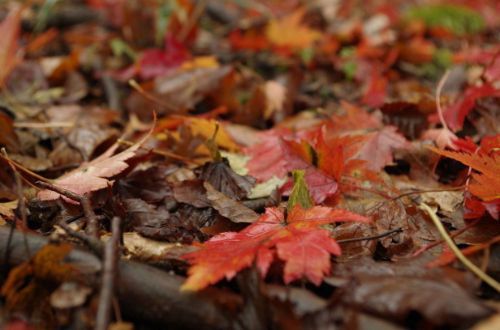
(460, 256)
(440, 85)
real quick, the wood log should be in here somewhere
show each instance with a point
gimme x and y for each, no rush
(145, 293)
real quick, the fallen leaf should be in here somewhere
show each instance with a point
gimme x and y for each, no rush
(228, 207)
(226, 254)
(289, 32)
(456, 113)
(487, 184)
(144, 248)
(206, 128)
(9, 29)
(439, 302)
(225, 180)
(378, 149)
(8, 137)
(95, 174)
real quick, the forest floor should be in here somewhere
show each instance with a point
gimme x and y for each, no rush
(204, 164)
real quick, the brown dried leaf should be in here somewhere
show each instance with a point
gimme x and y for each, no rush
(228, 207)
(224, 179)
(439, 302)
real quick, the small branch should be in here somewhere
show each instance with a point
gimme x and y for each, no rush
(460, 256)
(45, 125)
(357, 239)
(455, 234)
(150, 96)
(20, 200)
(111, 91)
(93, 243)
(193, 18)
(92, 224)
(108, 277)
(416, 192)
(163, 153)
(21, 168)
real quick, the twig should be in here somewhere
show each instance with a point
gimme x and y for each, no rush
(416, 192)
(163, 153)
(93, 243)
(108, 277)
(455, 234)
(357, 239)
(92, 224)
(21, 168)
(460, 256)
(20, 199)
(193, 18)
(58, 124)
(150, 96)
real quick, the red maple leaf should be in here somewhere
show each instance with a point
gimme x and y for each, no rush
(483, 193)
(280, 153)
(486, 184)
(299, 241)
(456, 113)
(378, 147)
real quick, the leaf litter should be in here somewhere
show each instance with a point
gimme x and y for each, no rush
(313, 164)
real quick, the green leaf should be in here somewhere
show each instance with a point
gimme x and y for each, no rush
(300, 193)
(458, 19)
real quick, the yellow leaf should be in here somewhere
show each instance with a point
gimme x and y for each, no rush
(207, 127)
(200, 62)
(289, 32)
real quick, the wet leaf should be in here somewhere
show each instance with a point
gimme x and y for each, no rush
(438, 302)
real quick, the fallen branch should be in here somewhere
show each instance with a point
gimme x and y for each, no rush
(145, 293)
(94, 244)
(108, 276)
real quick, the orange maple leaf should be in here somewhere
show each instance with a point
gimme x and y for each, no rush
(289, 32)
(299, 241)
(486, 184)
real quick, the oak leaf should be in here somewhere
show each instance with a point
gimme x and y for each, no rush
(300, 241)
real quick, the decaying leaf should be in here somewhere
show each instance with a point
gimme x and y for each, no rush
(228, 207)
(438, 302)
